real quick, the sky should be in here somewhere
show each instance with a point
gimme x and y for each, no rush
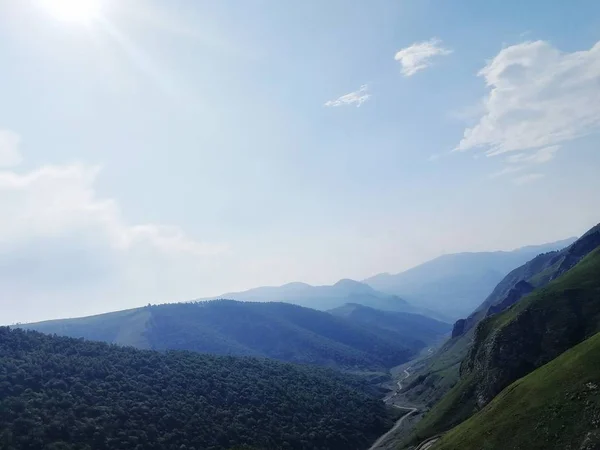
(155, 151)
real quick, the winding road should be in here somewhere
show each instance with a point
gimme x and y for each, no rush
(426, 444)
(406, 375)
(410, 412)
(398, 423)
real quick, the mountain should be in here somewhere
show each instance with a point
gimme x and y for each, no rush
(61, 393)
(536, 329)
(533, 274)
(441, 371)
(554, 407)
(455, 284)
(324, 297)
(404, 327)
(275, 330)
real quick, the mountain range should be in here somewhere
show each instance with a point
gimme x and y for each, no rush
(455, 284)
(445, 288)
(326, 297)
(520, 369)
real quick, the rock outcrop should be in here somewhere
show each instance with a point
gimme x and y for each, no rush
(521, 289)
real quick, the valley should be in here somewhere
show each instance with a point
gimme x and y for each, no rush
(421, 382)
(299, 225)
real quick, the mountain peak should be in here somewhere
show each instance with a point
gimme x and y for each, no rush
(296, 284)
(353, 287)
(348, 282)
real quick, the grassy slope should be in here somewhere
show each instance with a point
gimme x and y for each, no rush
(577, 293)
(555, 407)
(441, 372)
(124, 327)
(438, 374)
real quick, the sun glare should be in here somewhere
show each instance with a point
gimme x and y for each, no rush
(74, 10)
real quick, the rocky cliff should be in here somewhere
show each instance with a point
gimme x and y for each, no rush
(536, 330)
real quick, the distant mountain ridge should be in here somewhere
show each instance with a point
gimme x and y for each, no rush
(326, 297)
(406, 326)
(276, 330)
(455, 284)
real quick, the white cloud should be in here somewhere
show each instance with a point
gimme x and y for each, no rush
(519, 162)
(541, 156)
(9, 149)
(357, 97)
(508, 171)
(56, 199)
(419, 55)
(529, 178)
(538, 97)
(66, 251)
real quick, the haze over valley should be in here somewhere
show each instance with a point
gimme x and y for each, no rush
(299, 225)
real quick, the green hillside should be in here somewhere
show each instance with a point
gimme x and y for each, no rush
(434, 377)
(275, 330)
(555, 407)
(60, 393)
(512, 344)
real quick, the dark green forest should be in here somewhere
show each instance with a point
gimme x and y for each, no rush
(59, 393)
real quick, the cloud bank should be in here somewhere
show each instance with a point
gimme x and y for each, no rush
(66, 251)
(538, 99)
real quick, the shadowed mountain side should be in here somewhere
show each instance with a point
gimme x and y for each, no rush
(405, 327)
(275, 330)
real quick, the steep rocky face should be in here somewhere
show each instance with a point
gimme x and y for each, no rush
(578, 250)
(521, 289)
(541, 327)
(459, 328)
(521, 332)
(503, 290)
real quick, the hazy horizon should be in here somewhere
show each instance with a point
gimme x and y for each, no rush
(220, 294)
(157, 152)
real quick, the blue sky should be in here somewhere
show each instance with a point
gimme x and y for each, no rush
(163, 151)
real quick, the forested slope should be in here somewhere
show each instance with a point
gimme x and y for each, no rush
(63, 393)
(276, 330)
